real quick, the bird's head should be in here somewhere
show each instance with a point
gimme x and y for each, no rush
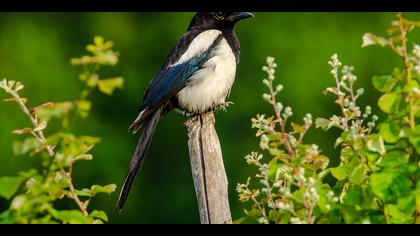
(217, 20)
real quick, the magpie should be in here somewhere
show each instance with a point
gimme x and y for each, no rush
(195, 78)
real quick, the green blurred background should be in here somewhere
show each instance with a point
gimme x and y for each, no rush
(36, 48)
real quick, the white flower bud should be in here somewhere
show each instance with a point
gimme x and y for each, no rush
(279, 106)
(267, 97)
(328, 207)
(330, 194)
(266, 82)
(368, 110)
(330, 90)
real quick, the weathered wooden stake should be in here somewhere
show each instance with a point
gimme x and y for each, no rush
(210, 180)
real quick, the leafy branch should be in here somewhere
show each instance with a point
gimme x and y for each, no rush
(291, 182)
(379, 171)
(35, 202)
(12, 88)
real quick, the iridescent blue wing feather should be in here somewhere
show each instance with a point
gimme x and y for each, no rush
(168, 82)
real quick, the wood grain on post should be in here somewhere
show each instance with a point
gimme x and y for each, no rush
(210, 180)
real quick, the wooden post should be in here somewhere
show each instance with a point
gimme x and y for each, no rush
(210, 180)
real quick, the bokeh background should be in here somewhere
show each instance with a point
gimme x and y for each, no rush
(36, 48)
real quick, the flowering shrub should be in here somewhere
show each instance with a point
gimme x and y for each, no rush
(377, 178)
(34, 193)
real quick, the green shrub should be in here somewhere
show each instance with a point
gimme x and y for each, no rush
(35, 193)
(377, 178)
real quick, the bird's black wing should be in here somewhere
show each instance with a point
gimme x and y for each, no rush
(168, 82)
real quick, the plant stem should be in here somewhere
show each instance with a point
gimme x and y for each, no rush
(82, 207)
(270, 198)
(39, 135)
(281, 121)
(337, 81)
(406, 68)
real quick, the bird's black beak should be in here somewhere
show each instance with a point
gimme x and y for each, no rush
(241, 16)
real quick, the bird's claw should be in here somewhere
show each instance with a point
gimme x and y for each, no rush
(221, 106)
(214, 107)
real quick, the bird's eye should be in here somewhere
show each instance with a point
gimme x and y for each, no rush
(219, 16)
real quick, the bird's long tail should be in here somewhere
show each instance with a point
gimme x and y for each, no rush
(138, 156)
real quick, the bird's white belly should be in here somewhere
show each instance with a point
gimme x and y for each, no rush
(211, 85)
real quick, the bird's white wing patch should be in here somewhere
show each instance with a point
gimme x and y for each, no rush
(210, 85)
(199, 45)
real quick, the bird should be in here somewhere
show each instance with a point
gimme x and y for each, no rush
(196, 77)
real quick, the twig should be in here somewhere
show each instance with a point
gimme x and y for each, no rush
(281, 121)
(39, 135)
(83, 207)
(406, 68)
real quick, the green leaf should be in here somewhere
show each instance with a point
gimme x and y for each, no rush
(390, 131)
(356, 176)
(350, 214)
(373, 158)
(411, 86)
(272, 216)
(390, 102)
(83, 107)
(323, 202)
(396, 216)
(86, 157)
(19, 202)
(98, 40)
(403, 211)
(100, 215)
(41, 126)
(371, 39)
(3, 83)
(353, 197)
(89, 140)
(273, 166)
(83, 193)
(95, 189)
(323, 123)
(415, 140)
(71, 217)
(407, 204)
(389, 185)
(394, 159)
(417, 193)
(61, 180)
(375, 143)
(297, 128)
(384, 83)
(57, 110)
(92, 81)
(254, 212)
(9, 186)
(346, 154)
(21, 148)
(245, 220)
(340, 173)
(108, 86)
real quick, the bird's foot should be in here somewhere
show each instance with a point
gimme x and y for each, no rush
(221, 106)
(215, 107)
